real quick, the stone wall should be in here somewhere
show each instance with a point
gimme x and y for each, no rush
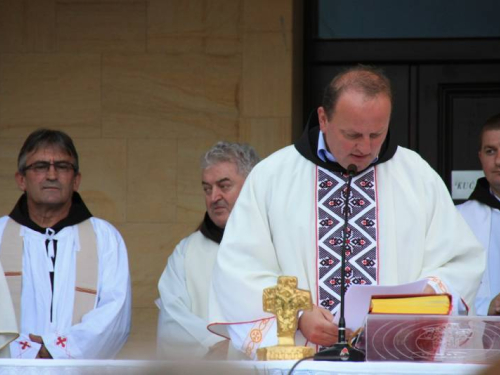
(144, 88)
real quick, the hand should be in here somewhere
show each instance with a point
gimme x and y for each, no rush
(494, 308)
(218, 351)
(43, 352)
(317, 326)
(429, 290)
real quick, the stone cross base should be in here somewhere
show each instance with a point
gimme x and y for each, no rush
(278, 352)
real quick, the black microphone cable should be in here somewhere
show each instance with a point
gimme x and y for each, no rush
(297, 363)
(342, 350)
(351, 170)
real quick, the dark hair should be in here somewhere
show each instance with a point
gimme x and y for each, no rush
(43, 138)
(244, 156)
(493, 123)
(366, 79)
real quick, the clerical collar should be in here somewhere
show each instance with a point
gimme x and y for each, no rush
(323, 152)
(77, 213)
(210, 230)
(483, 194)
(307, 146)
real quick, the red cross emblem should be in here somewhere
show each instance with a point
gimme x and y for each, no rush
(61, 341)
(24, 345)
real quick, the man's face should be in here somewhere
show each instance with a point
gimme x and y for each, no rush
(52, 188)
(222, 184)
(355, 132)
(489, 155)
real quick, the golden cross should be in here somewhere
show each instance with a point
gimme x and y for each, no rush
(285, 300)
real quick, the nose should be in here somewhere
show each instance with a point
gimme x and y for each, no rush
(52, 172)
(364, 145)
(216, 194)
(497, 159)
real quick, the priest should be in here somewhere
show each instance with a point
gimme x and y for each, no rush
(482, 213)
(66, 269)
(289, 220)
(184, 285)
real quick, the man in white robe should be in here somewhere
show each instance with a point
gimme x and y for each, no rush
(185, 282)
(75, 300)
(482, 213)
(289, 221)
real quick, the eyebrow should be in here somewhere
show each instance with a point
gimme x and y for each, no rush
(55, 161)
(217, 182)
(351, 132)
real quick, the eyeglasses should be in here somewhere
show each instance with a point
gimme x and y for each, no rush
(41, 167)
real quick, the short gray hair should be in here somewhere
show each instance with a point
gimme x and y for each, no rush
(243, 155)
(42, 138)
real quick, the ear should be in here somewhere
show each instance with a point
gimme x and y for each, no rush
(323, 119)
(20, 180)
(76, 181)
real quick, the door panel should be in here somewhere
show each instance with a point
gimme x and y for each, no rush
(454, 101)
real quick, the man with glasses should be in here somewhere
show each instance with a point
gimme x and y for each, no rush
(67, 270)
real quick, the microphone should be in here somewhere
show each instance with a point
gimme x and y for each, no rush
(342, 350)
(351, 171)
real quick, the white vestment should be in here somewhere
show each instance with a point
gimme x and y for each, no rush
(482, 219)
(102, 331)
(272, 232)
(8, 325)
(184, 289)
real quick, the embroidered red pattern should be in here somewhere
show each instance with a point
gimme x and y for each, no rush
(61, 341)
(24, 345)
(361, 233)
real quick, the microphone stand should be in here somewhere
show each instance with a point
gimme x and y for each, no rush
(342, 350)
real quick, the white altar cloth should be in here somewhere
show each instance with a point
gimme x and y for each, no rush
(78, 367)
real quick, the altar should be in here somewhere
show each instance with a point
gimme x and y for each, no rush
(133, 367)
